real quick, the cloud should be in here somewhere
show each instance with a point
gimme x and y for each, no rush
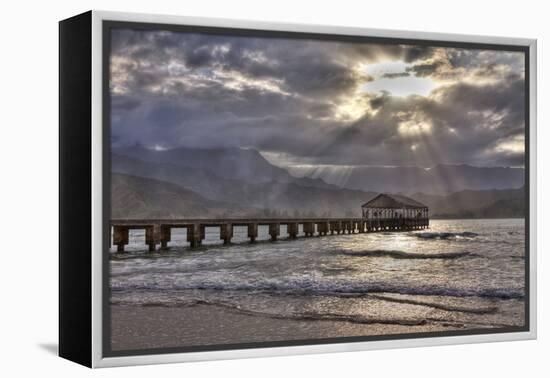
(425, 69)
(316, 102)
(393, 75)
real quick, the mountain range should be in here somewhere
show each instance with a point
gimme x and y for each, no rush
(439, 179)
(186, 182)
(494, 203)
(137, 197)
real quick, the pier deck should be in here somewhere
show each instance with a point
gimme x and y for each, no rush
(158, 231)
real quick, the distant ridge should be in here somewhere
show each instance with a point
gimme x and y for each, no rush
(227, 163)
(439, 179)
(504, 203)
(198, 186)
(273, 196)
(138, 198)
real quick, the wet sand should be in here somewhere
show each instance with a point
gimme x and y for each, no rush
(145, 327)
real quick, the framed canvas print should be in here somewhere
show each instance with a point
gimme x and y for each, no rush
(233, 189)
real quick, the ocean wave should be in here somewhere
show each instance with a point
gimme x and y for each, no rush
(354, 318)
(440, 306)
(308, 287)
(406, 255)
(444, 235)
(320, 316)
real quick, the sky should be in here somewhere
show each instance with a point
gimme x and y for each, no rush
(306, 103)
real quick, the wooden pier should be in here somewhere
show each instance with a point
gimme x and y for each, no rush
(158, 231)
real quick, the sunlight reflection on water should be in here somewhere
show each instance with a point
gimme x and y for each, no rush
(472, 263)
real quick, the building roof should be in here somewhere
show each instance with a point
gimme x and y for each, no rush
(394, 201)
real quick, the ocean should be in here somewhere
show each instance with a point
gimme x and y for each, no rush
(459, 274)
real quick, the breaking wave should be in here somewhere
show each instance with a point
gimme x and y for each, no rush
(321, 316)
(406, 255)
(440, 306)
(311, 287)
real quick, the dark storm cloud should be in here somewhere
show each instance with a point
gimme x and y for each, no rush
(425, 69)
(393, 75)
(415, 53)
(304, 67)
(304, 98)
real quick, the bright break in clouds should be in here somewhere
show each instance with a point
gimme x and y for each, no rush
(306, 103)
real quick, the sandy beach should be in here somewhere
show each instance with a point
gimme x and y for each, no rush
(144, 327)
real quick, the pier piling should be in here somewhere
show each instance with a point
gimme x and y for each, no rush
(165, 236)
(292, 229)
(152, 236)
(120, 237)
(195, 234)
(226, 232)
(309, 229)
(274, 231)
(323, 228)
(253, 232)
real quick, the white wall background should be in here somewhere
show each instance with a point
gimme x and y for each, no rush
(28, 154)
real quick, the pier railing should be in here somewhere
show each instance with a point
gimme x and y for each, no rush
(158, 231)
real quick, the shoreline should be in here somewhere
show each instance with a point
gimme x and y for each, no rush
(150, 327)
